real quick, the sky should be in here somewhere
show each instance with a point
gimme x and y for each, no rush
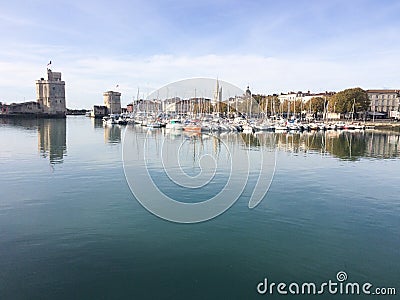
(272, 46)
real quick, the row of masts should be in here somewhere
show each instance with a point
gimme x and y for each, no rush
(198, 107)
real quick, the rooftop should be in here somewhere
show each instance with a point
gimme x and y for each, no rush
(383, 91)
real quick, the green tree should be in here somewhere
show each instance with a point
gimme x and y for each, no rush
(315, 104)
(344, 100)
(259, 98)
(223, 107)
(272, 102)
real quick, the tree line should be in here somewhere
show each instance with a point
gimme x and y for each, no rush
(346, 101)
(353, 100)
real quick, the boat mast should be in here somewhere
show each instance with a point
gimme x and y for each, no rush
(301, 110)
(373, 116)
(236, 106)
(228, 108)
(294, 108)
(251, 103)
(111, 103)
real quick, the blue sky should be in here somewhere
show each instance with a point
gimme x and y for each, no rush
(274, 46)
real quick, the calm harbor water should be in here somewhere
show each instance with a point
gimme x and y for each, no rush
(70, 228)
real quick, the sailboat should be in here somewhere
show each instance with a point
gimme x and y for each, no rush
(192, 127)
(174, 124)
(351, 125)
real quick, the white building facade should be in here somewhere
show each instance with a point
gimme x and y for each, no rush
(304, 97)
(384, 101)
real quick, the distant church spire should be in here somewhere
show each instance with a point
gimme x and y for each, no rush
(218, 92)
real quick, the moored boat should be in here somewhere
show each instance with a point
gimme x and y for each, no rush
(114, 120)
(340, 125)
(247, 128)
(281, 127)
(349, 126)
(174, 124)
(192, 127)
(154, 124)
(313, 126)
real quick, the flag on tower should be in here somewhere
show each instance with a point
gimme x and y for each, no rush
(49, 63)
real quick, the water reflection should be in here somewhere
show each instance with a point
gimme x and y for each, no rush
(52, 139)
(383, 145)
(346, 145)
(29, 124)
(52, 135)
(97, 123)
(112, 134)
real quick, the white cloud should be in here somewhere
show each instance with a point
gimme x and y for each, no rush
(269, 45)
(263, 74)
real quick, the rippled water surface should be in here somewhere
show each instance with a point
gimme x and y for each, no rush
(70, 227)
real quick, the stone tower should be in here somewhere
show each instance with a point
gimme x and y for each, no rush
(113, 102)
(50, 94)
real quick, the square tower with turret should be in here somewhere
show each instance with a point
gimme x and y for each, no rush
(50, 94)
(113, 102)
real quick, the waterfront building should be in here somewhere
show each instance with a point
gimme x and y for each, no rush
(185, 106)
(50, 100)
(244, 104)
(129, 108)
(24, 108)
(176, 106)
(304, 97)
(99, 111)
(384, 101)
(147, 106)
(112, 100)
(112, 105)
(50, 94)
